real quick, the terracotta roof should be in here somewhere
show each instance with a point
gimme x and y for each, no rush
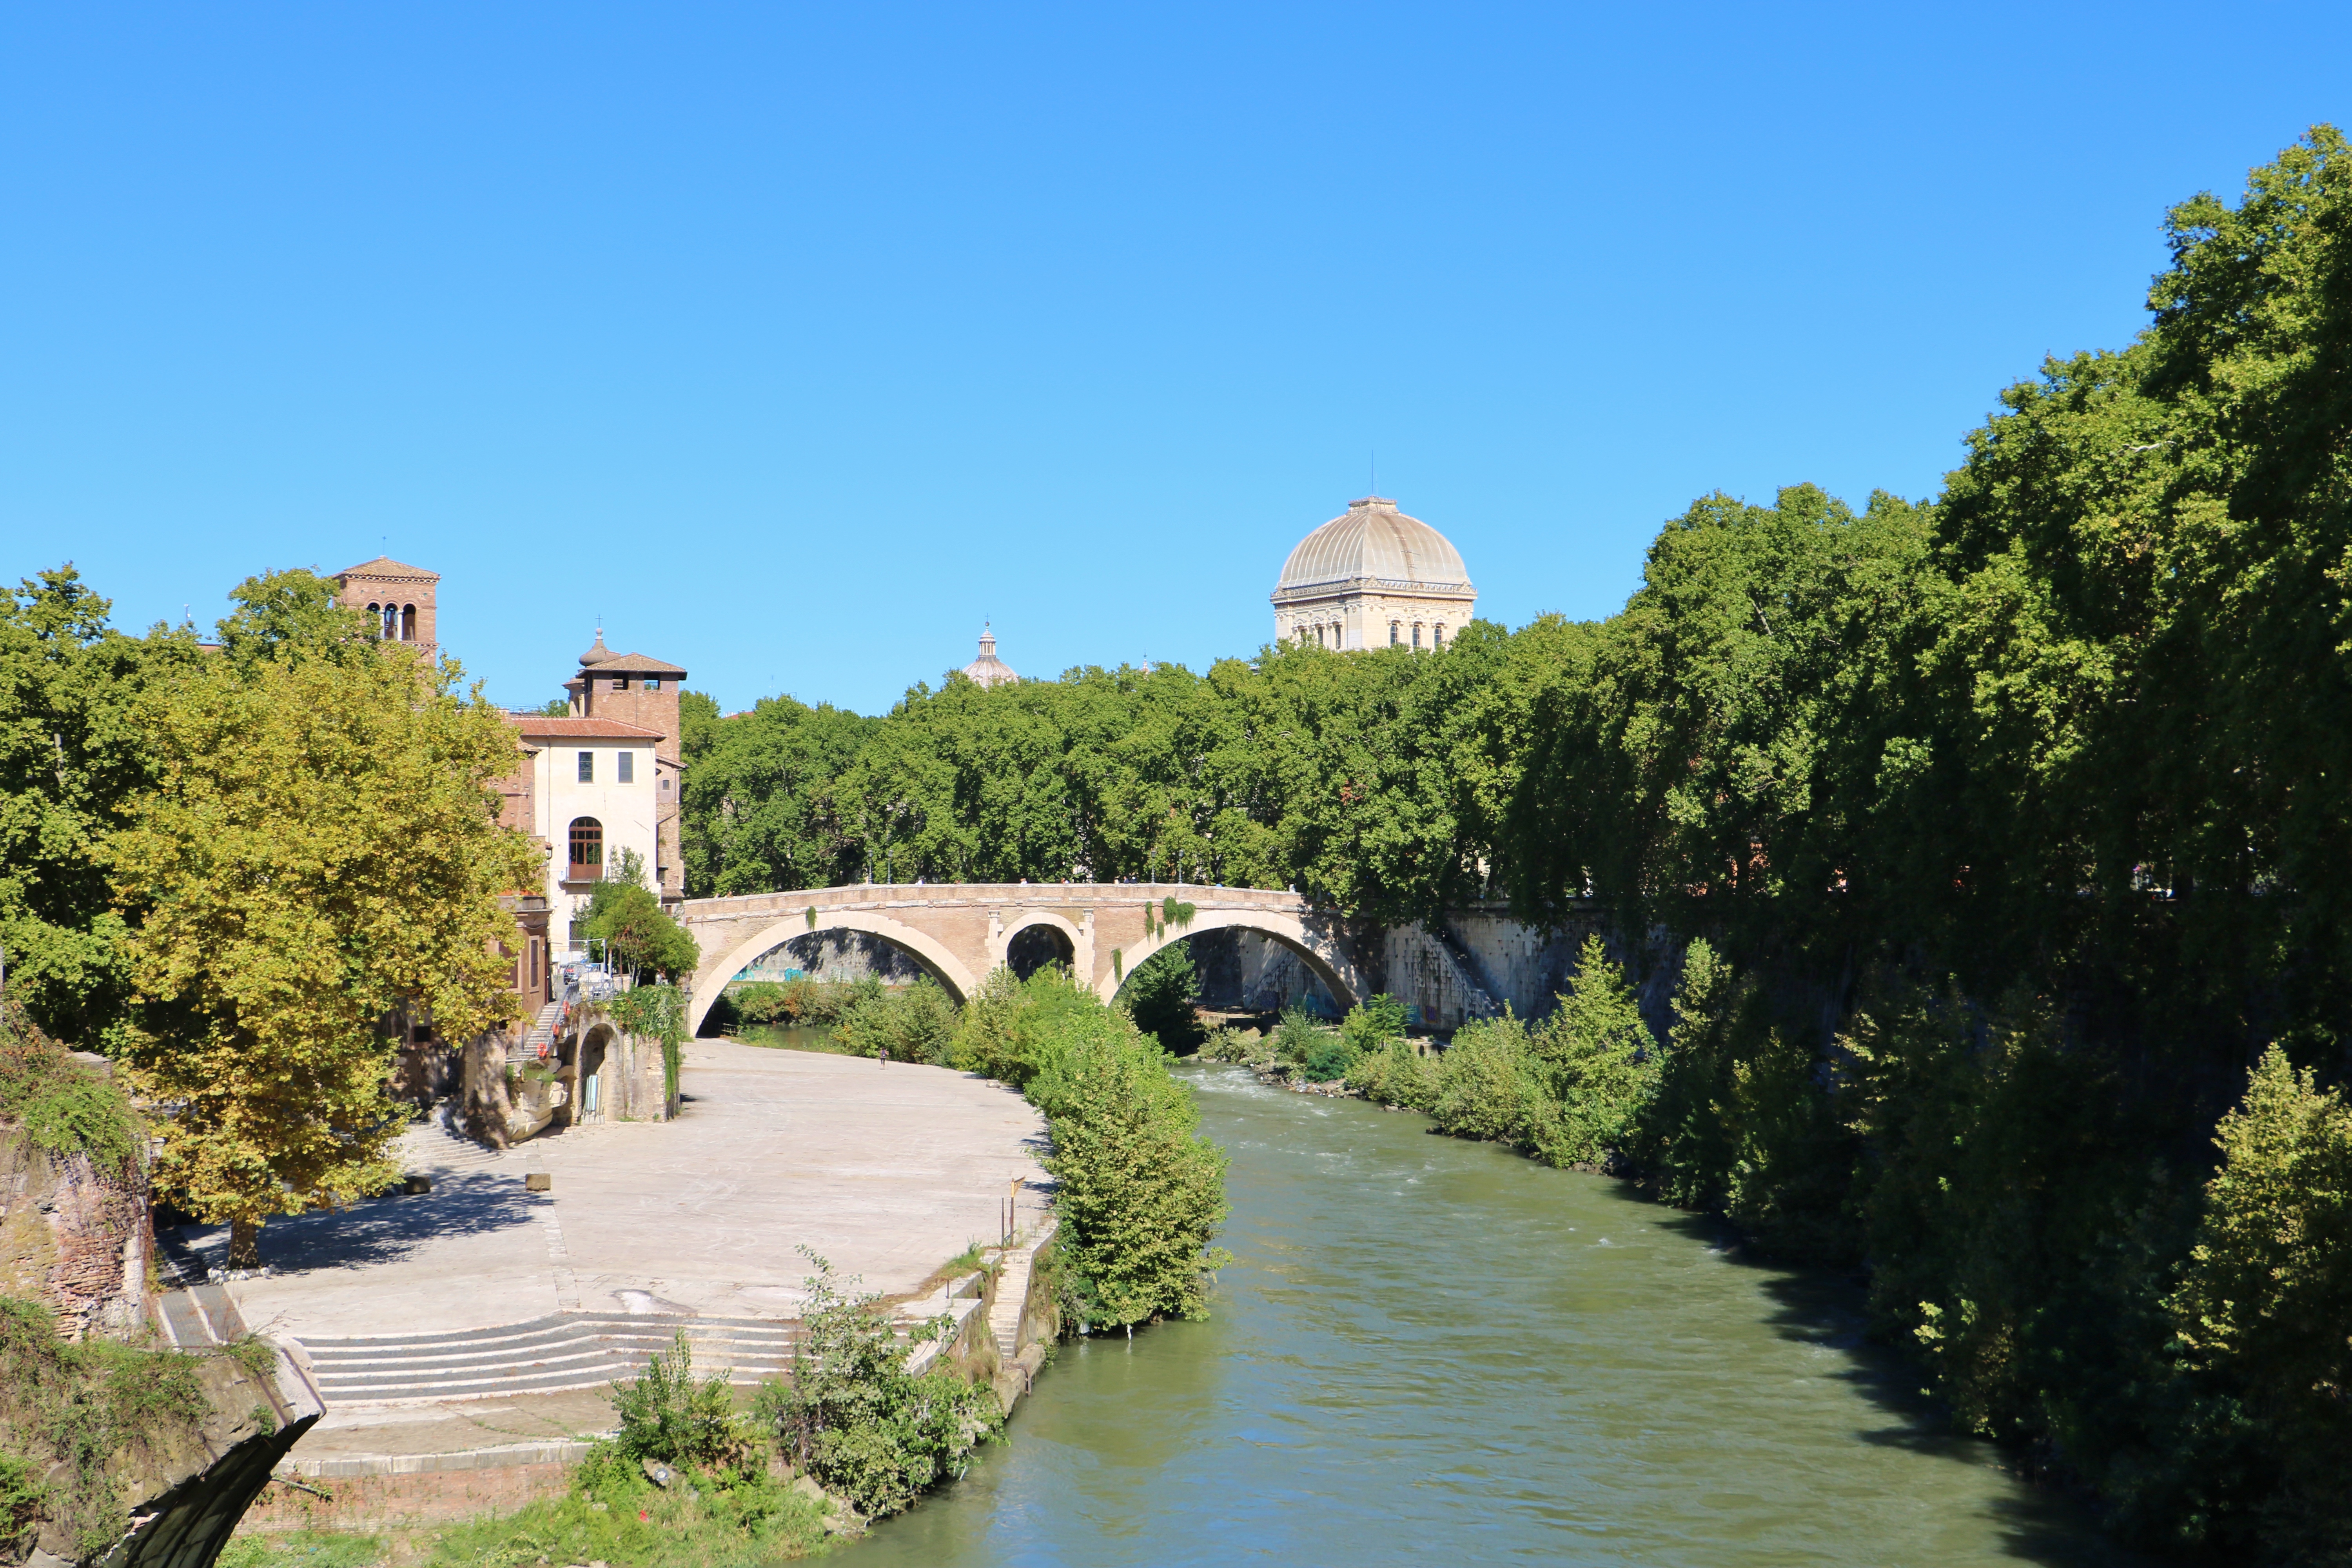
(634, 664)
(386, 566)
(541, 725)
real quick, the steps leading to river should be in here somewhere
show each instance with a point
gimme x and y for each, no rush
(545, 1355)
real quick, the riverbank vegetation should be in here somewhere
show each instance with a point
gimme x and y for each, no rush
(2010, 820)
(1139, 1193)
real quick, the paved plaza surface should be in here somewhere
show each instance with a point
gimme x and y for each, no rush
(886, 1171)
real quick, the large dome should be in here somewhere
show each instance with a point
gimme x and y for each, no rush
(1373, 540)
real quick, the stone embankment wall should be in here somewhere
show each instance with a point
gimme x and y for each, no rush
(190, 1494)
(75, 1236)
(1484, 960)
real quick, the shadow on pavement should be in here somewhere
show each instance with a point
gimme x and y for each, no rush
(376, 1230)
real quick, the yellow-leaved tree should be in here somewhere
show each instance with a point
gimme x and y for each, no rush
(321, 845)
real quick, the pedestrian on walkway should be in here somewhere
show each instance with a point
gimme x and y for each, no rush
(882, 1057)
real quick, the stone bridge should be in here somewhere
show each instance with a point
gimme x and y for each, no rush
(959, 932)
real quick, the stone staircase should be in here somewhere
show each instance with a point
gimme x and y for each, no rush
(1478, 991)
(434, 1147)
(538, 1040)
(564, 1351)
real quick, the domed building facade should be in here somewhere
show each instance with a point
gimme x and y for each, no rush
(1373, 577)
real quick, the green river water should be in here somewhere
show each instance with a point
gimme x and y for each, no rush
(1433, 1350)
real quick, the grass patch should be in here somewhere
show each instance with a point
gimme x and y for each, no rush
(608, 1518)
(305, 1548)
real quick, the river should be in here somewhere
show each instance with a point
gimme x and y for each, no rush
(1433, 1350)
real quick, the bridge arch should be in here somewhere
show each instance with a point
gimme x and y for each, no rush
(941, 964)
(1322, 954)
(1075, 948)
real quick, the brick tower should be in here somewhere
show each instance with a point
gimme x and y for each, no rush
(397, 597)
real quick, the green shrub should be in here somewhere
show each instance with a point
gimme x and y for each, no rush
(917, 1025)
(1232, 1044)
(1141, 1194)
(1298, 1036)
(1398, 1074)
(667, 1417)
(1485, 1081)
(63, 1105)
(1598, 1066)
(856, 1420)
(1016, 1030)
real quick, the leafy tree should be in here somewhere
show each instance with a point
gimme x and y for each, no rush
(2262, 1309)
(637, 936)
(288, 615)
(72, 752)
(1162, 996)
(1598, 1064)
(320, 846)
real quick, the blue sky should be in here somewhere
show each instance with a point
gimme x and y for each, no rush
(795, 342)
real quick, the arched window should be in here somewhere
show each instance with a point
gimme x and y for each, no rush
(587, 850)
(1416, 634)
(1439, 634)
(408, 623)
(375, 614)
(1396, 633)
(391, 623)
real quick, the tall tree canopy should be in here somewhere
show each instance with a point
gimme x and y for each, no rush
(319, 847)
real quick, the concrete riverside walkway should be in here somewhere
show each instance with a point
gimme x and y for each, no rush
(888, 1171)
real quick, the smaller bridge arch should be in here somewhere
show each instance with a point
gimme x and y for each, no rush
(942, 966)
(1323, 955)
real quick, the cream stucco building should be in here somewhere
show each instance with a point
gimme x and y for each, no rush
(1373, 577)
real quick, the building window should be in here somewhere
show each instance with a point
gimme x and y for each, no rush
(621, 683)
(1416, 634)
(587, 767)
(1439, 635)
(587, 850)
(1396, 633)
(628, 765)
(392, 623)
(408, 623)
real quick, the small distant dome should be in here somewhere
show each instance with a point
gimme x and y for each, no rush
(988, 670)
(1372, 540)
(598, 654)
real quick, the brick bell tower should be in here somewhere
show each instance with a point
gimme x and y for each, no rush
(638, 689)
(398, 599)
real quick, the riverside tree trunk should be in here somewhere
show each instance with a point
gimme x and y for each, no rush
(245, 1243)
